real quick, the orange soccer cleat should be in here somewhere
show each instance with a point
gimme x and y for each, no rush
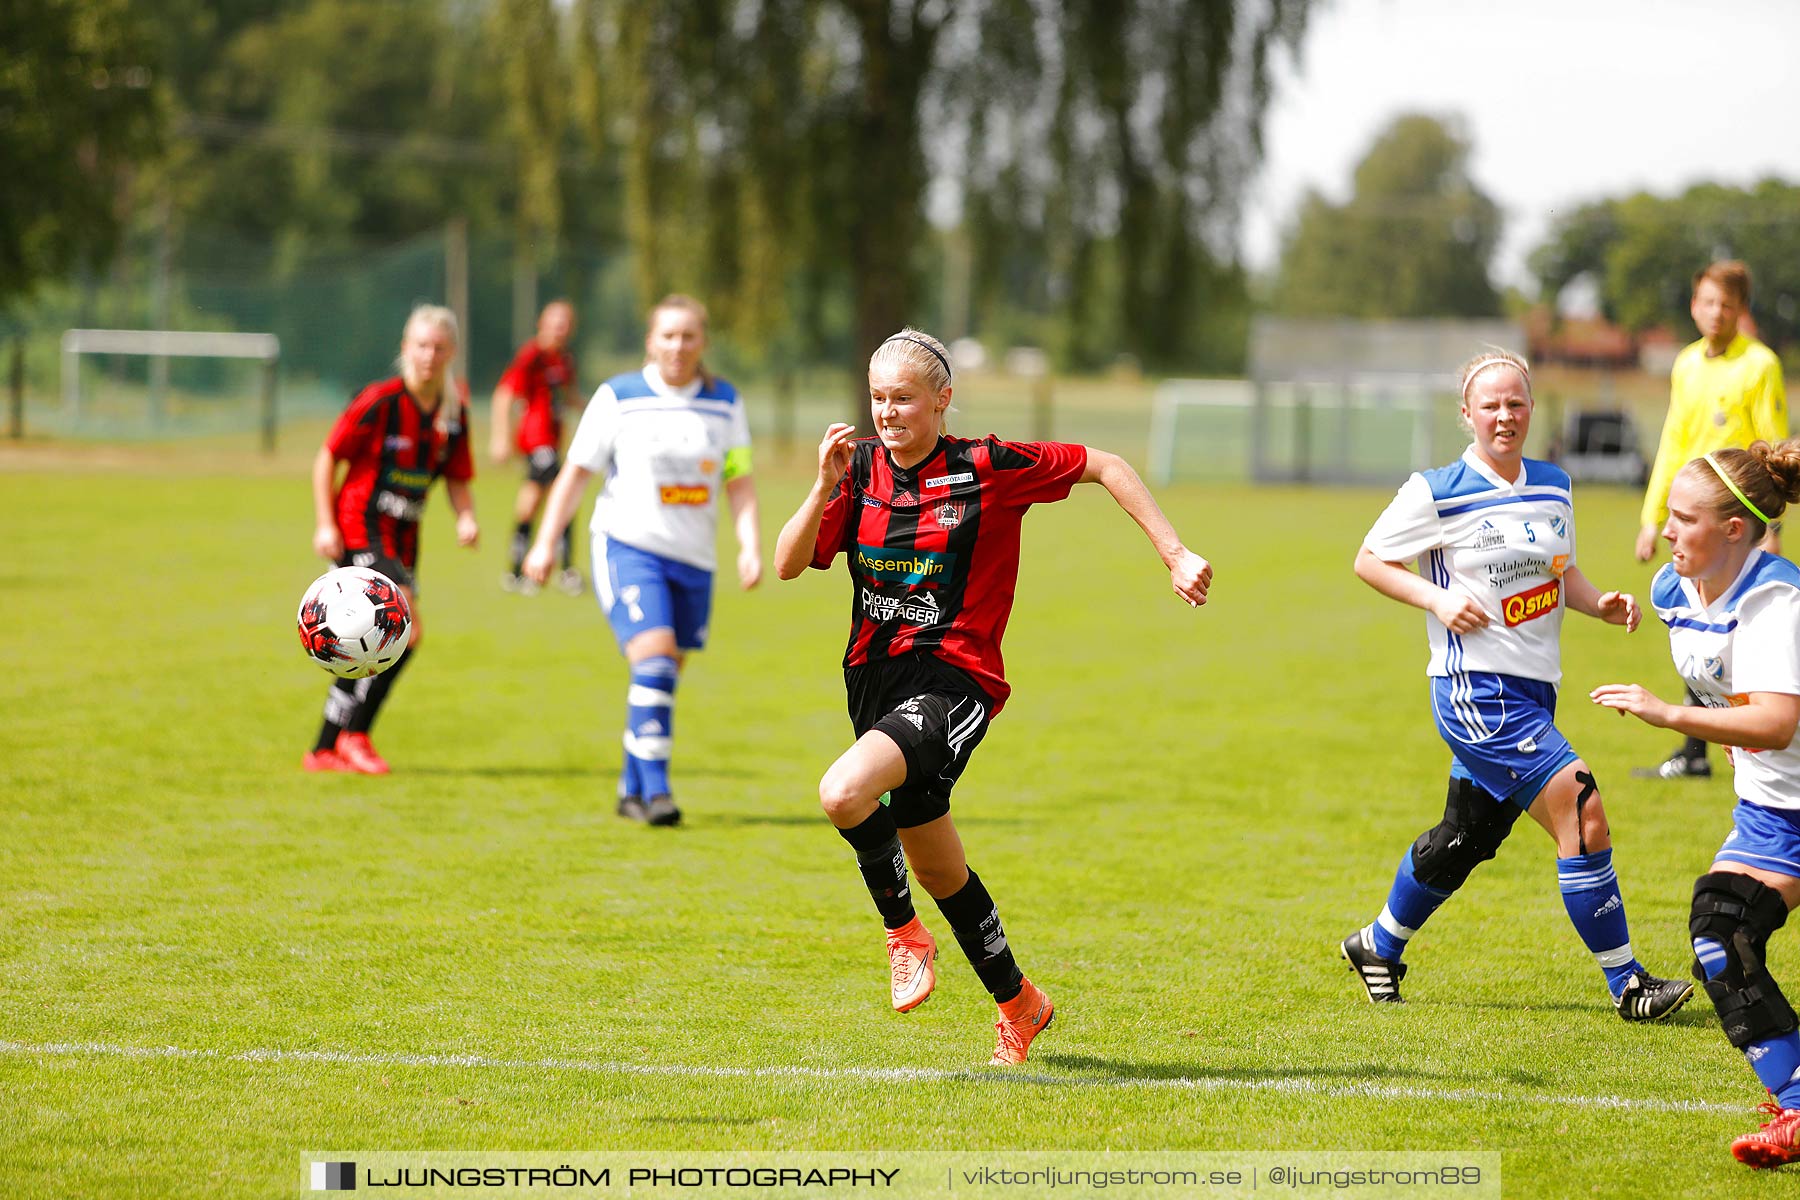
(1776, 1144)
(359, 755)
(1022, 1018)
(911, 952)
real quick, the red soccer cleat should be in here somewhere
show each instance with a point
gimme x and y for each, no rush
(1022, 1018)
(323, 760)
(1776, 1144)
(359, 755)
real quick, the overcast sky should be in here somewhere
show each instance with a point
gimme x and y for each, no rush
(1564, 101)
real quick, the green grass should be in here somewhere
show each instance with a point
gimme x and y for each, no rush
(1180, 814)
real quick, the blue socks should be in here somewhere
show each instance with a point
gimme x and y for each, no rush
(1775, 1060)
(1409, 903)
(1590, 892)
(649, 727)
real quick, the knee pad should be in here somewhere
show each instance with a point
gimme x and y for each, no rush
(1739, 914)
(1475, 824)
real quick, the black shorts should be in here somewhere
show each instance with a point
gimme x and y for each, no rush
(936, 715)
(542, 464)
(374, 560)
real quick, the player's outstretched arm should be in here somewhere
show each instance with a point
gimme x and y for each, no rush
(1459, 611)
(1189, 574)
(559, 508)
(499, 434)
(794, 547)
(462, 503)
(328, 539)
(1767, 722)
(741, 491)
(1615, 608)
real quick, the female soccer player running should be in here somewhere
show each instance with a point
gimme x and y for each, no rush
(396, 437)
(1494, 533)
(1733, 612)
(929, 525)
(665, 438)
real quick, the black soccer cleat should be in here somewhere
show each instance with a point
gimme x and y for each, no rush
(633, 808)
(661, 810)
(1647, 998)
(1678, 765)
(1380, 977)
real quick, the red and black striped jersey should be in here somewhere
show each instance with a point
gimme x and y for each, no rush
(538, 376)
(934, 551)
(395, 449)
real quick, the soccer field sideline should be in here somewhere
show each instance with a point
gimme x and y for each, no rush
(987, 1075)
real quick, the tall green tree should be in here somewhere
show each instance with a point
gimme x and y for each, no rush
(781, 151)
(1641, 252)
(1414, 240)
(79, 109)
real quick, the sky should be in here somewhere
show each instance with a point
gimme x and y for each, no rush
(1565, 101)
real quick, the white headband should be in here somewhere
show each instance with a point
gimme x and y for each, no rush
(1489, 361)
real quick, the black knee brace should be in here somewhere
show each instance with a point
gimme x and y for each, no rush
(1475, 823)
(1739, 913)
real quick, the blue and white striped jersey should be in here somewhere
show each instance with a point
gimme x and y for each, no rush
(1748, 640)
(662, 451)
(1505, 544)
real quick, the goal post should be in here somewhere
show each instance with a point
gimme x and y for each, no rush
(264, 348)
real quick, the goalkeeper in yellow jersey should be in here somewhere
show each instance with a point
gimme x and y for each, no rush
(1724, 391)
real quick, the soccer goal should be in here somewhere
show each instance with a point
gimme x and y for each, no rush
(1327, 401)
(162, 344)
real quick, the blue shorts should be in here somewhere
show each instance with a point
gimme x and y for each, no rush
(1768, 838)
(639, 590)
(1502, 730)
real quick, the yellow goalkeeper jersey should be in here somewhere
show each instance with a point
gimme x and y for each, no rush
(1715, 403)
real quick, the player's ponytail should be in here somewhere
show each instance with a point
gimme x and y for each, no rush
(1755, 485)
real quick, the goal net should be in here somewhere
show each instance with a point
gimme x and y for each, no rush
(226, 381)
(1338, 402)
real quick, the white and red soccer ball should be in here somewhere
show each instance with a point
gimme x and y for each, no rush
(354, 622)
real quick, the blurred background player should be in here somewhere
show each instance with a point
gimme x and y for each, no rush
(665, 438)
(1724, 390)
(1494, 533)
(1733, 612)
(395, 438)
(929, 525)
(542, 379)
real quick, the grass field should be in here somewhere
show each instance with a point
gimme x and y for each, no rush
(210, 961)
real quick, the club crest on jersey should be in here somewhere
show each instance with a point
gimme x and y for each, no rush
(949, 514)
(1529, 606)
(1559, 527)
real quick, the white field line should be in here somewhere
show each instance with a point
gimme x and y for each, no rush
(1298, 1085)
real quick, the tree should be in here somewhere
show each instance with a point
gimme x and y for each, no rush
(780, 151)
(78, 110)
(1414, 240)
(1641, 251)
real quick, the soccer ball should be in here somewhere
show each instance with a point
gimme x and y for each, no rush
(354, 622)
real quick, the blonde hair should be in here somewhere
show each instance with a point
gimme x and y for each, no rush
(1767, 475)
(1492, 357)
(444, 319)
(919, 351)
